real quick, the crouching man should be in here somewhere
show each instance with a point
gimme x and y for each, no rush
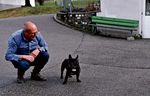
(27, 47)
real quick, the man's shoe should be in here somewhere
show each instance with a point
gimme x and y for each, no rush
(20, 81)
(38, 77)
(20, 78)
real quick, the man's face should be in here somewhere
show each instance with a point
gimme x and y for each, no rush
(30, 35)
(30, 30)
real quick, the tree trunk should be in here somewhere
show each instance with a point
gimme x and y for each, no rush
(41, 2)
(27, 3)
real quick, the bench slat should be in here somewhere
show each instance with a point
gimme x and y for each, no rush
(113, 27)
(125, 24)
(114, 19)
(113, 23)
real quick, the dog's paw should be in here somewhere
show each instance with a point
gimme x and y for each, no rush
(64, 83)
(78, 80)
(61, 77)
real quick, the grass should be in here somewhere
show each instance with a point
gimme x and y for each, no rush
(48, 8)
(82, 3)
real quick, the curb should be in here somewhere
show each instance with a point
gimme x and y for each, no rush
(60, 22)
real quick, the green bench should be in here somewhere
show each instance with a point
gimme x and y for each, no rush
(113, 23)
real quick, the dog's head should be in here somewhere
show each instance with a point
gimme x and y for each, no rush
(73, 62)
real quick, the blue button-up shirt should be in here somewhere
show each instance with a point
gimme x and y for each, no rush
(18, 45)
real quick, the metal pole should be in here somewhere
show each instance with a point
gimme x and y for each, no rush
(70, 6)
(64, 4)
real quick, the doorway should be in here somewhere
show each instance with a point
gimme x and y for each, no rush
(146, 19)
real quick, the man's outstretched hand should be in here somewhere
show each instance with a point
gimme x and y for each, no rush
(31, 57)
(35, 53)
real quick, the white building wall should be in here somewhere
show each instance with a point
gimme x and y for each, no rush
(16, 2)
(11, 2)
(127, 9)
(121, 8)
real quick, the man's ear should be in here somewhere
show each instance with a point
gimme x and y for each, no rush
(70, 56)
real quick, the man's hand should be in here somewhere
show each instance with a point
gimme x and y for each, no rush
(35, 53)
(29, 58)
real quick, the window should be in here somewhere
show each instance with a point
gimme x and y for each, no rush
(147, 10)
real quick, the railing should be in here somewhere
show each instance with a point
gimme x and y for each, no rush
(76, 19)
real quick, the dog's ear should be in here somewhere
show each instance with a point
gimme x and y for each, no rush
(77, 57)
(70, 56)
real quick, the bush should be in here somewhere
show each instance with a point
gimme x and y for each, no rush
(41, 2)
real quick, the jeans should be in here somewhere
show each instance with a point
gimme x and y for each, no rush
(39, 62)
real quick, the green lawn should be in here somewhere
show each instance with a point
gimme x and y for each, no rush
(82, 3)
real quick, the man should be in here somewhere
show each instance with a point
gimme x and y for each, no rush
(27, 47)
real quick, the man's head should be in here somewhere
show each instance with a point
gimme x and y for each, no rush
(30, 30)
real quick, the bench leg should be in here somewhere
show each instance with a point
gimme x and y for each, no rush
(94, 30)
(131, 32)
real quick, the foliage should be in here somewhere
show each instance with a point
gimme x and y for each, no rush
(137, 36)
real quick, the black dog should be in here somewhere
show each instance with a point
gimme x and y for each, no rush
(72, 68)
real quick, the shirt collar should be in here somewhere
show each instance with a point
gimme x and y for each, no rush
(22, 34)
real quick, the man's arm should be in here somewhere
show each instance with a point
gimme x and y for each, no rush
(29, 58)
(12, 48)
(11, 52)
(42, 43)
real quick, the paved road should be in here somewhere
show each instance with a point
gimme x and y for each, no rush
(110, 66)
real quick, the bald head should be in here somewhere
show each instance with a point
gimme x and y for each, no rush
(30, 26)
(30, 30)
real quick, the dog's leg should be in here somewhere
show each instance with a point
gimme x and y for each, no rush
(69, 75)
(62, 70)
(66, 77)
(77, 76)
(78, 80)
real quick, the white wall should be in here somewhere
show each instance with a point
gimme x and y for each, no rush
(127, 9)
(12, 2)
(121, 8)
(16, 2)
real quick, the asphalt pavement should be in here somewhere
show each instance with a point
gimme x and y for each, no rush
(109, 66)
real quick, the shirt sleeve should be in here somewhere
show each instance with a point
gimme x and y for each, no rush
(12, 48)
(42, 43)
